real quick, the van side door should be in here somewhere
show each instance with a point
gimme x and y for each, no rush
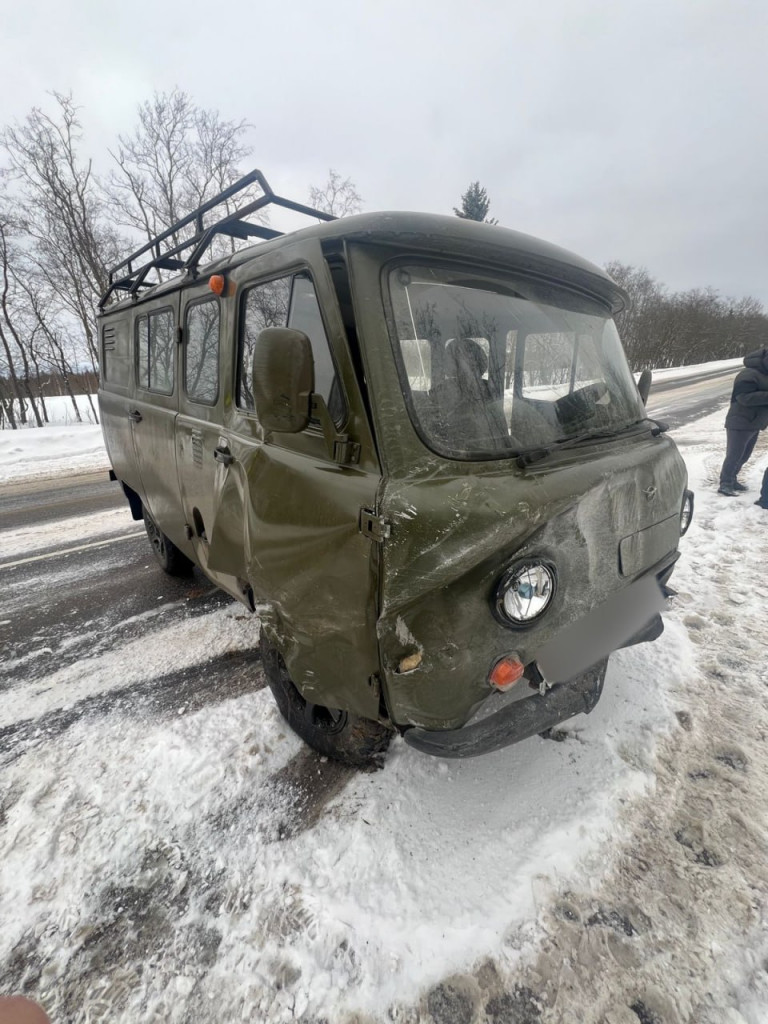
(201, 448)
(153, 411)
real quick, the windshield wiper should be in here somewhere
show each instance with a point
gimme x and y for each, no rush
(527, 458)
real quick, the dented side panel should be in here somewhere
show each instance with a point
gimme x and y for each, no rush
(289, 525)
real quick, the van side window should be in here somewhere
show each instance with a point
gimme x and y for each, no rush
(265, 305)
(155, 351)
(288, 302)
(201, 358)
(304, 315)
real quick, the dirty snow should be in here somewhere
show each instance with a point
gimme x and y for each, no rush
(30, 539)
(170, 854)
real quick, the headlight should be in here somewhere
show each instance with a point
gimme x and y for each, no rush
(525, 592)
(686, 512)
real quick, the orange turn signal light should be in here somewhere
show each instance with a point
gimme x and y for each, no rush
(216, 284)
(506, 673)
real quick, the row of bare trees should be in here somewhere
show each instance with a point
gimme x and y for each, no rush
(661, 328)
(62, 226)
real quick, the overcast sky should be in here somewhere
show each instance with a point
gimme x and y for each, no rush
(634, 130)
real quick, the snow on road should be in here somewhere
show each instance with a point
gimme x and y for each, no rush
(28, 540)
(172, 852)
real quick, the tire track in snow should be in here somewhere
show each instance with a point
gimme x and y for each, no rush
(186, 691)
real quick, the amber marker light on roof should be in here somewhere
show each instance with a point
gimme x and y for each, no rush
(506, 673)
(216, 283)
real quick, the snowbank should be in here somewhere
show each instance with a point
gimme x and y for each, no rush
(51, 451)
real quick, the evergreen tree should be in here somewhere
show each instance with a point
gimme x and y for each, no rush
(475, 205)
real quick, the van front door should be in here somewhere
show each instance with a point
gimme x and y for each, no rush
(287, 515)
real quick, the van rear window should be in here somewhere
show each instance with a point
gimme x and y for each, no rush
(155, 351)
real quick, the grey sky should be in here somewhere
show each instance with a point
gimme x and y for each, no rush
(631, 129)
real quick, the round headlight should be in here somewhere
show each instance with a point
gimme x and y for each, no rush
(686, 512)
(525, 592)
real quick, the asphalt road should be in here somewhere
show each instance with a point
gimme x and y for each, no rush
(49, 594)
(679, 401)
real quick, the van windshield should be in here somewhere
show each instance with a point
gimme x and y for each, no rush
(493, 366)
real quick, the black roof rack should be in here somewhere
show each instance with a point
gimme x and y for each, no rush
(130, 275)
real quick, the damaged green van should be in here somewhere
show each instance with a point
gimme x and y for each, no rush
(413, 445)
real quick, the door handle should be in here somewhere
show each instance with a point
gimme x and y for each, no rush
(135, 415)
(223, 455)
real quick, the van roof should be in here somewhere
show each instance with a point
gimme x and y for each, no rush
(426, 233)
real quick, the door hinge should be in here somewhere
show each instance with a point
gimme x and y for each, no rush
(345, 452)
(374, 527)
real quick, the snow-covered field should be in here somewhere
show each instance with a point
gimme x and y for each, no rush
(176, 857)
(63, 447)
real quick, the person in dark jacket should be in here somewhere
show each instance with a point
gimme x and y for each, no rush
(747, 416)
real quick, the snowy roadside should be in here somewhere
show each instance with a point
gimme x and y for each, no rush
(195, 862)
(676, 372)
(51, 451)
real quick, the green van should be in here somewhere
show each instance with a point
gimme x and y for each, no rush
(413, 445)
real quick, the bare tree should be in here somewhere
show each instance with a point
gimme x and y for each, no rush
(50, 343)
(12, 336)
(338, 196)
(178, 157)
(61, 212)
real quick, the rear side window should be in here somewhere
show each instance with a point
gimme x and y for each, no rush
(155, 351)
(287, 302)
(201, 360)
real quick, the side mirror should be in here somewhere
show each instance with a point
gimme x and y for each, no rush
(283, 379)
(644, 385)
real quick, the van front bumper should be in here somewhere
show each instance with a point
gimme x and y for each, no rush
(527, 717)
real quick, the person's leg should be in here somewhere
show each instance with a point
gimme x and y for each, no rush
(749, 448)
(763, 499)
(736, 443)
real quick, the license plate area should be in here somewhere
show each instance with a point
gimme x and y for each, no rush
(644, 549)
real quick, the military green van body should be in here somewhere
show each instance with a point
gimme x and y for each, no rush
(373, 541)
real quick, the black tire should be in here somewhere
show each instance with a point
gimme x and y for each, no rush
(342, 735)
(171, 560)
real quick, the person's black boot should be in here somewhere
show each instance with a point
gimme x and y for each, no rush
(728, 490)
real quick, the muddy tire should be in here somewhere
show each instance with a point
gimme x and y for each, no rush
(171, 560)
(342, 735)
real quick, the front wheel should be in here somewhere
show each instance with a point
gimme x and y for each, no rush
(342, 735)
(171, 560)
